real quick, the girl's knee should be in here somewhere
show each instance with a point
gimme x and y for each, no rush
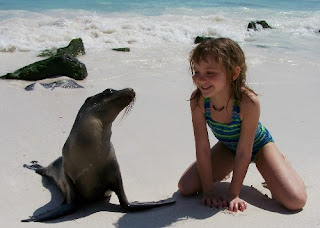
(296, 201)
(185, 188)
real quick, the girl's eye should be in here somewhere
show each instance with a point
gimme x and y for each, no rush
(211, 73)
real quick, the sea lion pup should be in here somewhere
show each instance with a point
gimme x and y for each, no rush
(88, 168)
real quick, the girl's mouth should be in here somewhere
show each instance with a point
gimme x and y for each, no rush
(205, 87)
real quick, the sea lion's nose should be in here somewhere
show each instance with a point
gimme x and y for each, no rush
(130, 92)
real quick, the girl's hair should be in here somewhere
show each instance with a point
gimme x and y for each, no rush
(228, 54)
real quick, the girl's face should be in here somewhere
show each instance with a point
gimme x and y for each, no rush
(210, 78)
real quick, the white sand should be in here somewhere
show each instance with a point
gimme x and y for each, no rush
(154, 143)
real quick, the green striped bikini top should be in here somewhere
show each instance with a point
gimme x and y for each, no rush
(229, 133)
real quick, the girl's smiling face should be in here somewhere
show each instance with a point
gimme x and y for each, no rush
(210, 78)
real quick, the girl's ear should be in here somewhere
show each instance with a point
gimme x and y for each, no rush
(236, 73)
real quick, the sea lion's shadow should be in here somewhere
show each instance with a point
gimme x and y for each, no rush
(83, 211)
(158, 217)
(56, 196)
(184, 208)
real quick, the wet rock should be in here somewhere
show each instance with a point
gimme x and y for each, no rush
(58, 65)
(75, 48)
(199, 39)
(253, 25)
(124, 49)
(62, 83)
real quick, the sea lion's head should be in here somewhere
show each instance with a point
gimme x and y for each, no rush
(108, 104)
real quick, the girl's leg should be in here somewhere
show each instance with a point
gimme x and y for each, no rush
(284, 183)
(222, 164)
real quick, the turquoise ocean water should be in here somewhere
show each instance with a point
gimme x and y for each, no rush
(31, 25)
(154, 7)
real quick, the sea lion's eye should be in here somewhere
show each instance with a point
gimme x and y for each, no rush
(110, 91)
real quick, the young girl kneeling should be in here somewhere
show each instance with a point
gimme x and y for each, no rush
(231, 109)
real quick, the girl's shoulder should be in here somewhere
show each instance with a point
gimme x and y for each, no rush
(197, 101)
(249, 101)
(248, 96)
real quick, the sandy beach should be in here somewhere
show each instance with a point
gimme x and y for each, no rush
(154, 143)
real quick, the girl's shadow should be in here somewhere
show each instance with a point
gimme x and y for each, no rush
(256, 198)
(190, 207)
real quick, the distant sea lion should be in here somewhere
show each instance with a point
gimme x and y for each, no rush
(88, 168)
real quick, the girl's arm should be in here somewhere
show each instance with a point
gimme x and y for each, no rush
(250, 112)
(203, 153)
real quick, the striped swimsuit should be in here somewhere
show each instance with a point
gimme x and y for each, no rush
(229, 134)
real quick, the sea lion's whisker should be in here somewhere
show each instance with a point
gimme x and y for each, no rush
(127, 110)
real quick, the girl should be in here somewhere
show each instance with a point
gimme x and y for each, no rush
(231, 109)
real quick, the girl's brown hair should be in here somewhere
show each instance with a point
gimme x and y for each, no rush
(228, 54)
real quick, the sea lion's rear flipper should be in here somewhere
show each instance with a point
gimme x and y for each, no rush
(64, 182)
(36, 167)
(63, 209)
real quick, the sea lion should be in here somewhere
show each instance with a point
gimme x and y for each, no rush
(88, 167)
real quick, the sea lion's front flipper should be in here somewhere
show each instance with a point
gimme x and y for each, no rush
(63, 209)
(137, 206)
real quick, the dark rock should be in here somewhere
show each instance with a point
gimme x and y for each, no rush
(57, 65)
(30, 87)
(48, 53)
(124, 49)
(199, 39)
(253, 25)
(262, 46)
(75, 48)
(64, 83)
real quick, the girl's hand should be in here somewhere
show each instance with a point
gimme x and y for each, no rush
(209, 199)
(235, 203)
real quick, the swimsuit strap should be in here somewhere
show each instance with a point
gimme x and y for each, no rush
(236, 110)
(207, 106)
